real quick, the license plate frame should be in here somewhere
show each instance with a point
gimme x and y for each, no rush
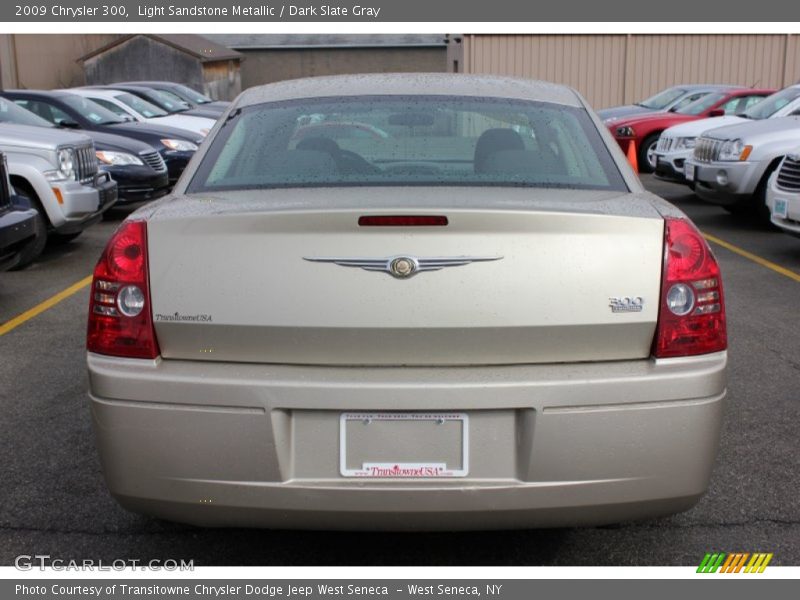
(401, 469)
(688, 171)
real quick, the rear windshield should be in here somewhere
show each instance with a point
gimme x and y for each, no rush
(408, 140)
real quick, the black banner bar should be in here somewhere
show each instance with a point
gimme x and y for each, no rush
(731, 588)
(375, 11)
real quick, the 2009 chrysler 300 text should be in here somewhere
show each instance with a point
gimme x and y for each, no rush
(407, 301)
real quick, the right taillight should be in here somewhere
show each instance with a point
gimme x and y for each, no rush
(691, 317)
(120, 319)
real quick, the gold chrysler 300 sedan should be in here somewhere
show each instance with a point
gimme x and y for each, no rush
(407, 301)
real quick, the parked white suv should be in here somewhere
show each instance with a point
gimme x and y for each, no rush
(677, 143)
(731, 165)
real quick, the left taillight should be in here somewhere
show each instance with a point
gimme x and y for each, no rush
(120, 317)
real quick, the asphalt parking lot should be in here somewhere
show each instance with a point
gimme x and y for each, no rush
(53, 499)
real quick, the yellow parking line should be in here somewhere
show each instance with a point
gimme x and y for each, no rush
(43, 306)
(756, 259)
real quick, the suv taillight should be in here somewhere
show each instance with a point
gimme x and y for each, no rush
(120, 319)
(691, 316)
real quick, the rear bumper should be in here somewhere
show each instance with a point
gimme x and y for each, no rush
(549, 445)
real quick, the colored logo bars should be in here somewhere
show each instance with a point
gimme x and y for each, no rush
(735, 562)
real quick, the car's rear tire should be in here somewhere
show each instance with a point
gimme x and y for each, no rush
(36, 246)
(647, 153)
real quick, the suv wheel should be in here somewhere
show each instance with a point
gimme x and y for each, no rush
(647, 153)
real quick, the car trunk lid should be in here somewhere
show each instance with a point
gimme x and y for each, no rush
(560, 276)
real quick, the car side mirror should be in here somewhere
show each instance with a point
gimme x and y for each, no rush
(69, 124)
(717, 112)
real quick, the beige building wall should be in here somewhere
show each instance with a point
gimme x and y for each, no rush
(269, 65)
(49, 61)
(8, 63)
(618, 69)
(46, 61)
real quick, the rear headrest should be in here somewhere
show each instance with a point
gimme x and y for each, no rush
(495, 140)
(320, 144)
(522, 163)
(300, 163)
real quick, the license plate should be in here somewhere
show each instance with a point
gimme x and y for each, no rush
(403, 445)
(688, 171)
(779, 208)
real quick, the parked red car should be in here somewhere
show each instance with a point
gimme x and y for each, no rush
(645, 130)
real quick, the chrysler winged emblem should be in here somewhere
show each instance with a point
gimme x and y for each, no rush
(402, 267)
